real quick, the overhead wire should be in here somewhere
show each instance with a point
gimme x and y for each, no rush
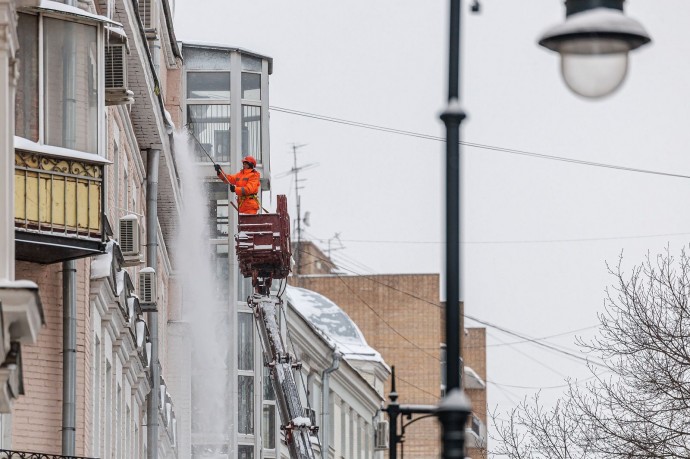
(517, 241)
(415, 345)
(474, 144)
(468, 316)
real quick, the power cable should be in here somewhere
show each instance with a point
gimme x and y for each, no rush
(561, 386)
(570, 332)
(473, 144)
(386, 322)
(538, 362)
(436, 396)
(475, 319)
(523, 241)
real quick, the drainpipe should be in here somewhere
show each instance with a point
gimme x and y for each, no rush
(69, 356)
(156, 53)
(325, 406)
(69, 268)
(153, 156)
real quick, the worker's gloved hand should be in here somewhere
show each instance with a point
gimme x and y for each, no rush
(232, 188)
(217, 168)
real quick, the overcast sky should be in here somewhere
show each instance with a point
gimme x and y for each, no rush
(538, 232)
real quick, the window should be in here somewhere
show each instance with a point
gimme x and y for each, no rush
(268, 419)
(245, 405)
(210, 126)
(70, 88)
(71, 91)
(245, 452)
(209, 85)
(251, 86)
(251, 131)
(26, 103)
(245, 341)
(222, 271)
(108, 421)
(96, 424)
(217, 193)
(118, 421)
(268, 426)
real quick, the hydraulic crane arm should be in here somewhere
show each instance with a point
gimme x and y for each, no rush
(263, 251)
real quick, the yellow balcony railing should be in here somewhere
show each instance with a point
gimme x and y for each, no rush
(58, 196)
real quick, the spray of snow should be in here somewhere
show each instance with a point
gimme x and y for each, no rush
(203, 308)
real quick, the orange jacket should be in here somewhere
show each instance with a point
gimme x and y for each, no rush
(247, 187)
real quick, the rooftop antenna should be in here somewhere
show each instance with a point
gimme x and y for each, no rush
(298, 221)
(335, 237)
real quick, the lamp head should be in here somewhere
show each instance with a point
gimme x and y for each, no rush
(594, 46)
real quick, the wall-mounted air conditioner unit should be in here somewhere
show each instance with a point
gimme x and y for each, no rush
(381, 435)
(130, 244)
(116, 92)
(147, 13)
(147, 289)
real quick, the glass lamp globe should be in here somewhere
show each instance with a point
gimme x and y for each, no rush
(594, 67)
(594, 46)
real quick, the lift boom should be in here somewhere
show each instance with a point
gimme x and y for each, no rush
(263, 251)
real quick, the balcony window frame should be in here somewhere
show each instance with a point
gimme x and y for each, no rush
(236, 103)
(189, 101)
(98, 23)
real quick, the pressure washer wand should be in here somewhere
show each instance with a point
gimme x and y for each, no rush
(200, 145)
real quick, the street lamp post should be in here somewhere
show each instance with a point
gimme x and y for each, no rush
(455, 406)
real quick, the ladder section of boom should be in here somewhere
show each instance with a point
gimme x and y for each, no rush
(297, 427)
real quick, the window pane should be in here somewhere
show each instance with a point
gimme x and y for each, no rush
(268, 427)
(210, 126)
(251, 63)
(208, 85)
(245, 341)
(251, 131)
(245, 452)
(26, 103)
(71, 85)
(268, 385)
(251, 86)
(218, 209)
(245, 405)
(244, 287)
(222, 271)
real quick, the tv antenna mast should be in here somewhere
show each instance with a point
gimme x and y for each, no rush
(299, 219)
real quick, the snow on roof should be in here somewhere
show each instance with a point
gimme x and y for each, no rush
(332, 323)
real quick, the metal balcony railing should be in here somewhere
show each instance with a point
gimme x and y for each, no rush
(9, 454)
(58, 196)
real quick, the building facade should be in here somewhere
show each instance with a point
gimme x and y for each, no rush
(401, 316)
(21, 311)
(342, 376)
(96, 201)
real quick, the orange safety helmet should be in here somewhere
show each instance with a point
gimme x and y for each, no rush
(250, 160)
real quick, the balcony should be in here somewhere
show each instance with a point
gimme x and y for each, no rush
(59, 203)
(9, 454)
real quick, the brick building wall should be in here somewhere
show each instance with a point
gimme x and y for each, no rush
(474, 355)
(401, 316)
(37, 419)
(405, 330)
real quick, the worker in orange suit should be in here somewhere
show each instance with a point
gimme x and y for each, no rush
(245, 184)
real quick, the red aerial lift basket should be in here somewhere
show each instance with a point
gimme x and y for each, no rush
(262, 243)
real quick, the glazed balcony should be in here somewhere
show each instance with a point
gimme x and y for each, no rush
(59, 202)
